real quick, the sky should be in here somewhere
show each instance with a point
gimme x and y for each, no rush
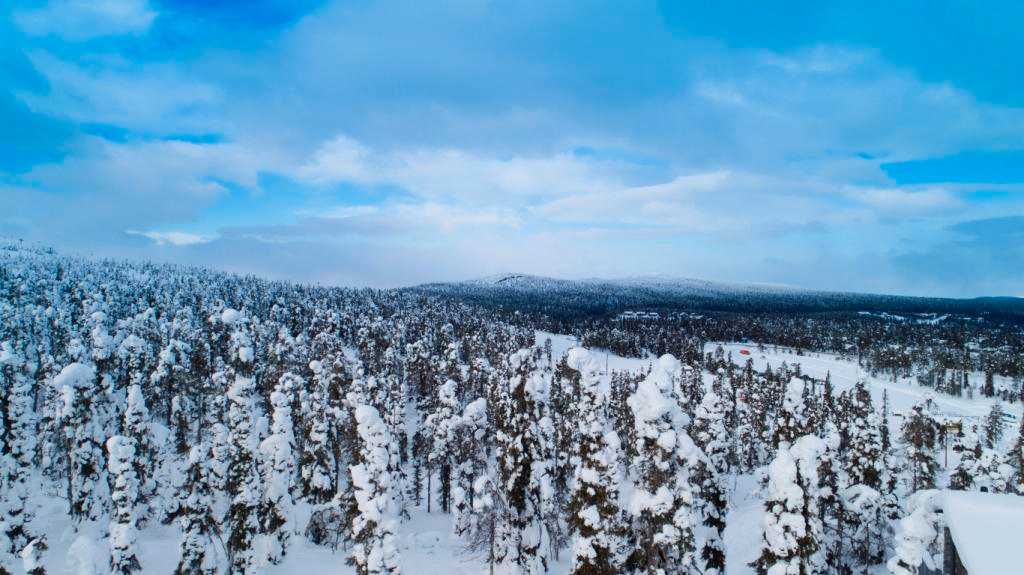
(857, 146)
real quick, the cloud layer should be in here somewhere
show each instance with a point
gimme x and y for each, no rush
(387, 144)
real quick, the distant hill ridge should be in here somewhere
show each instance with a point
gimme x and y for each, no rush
(558, 297)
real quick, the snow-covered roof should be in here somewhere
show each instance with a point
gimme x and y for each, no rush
(986, 529)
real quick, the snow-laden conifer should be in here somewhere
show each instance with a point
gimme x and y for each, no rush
(374, 550)
(593, 502)
(661, 502)
(792, 528)
(87, 481)
(201, 552)
(276, 507)
(125, 495)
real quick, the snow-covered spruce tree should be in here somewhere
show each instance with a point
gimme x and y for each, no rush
(393, 413)
(171, 470)
(791, 541)
(918, 434)
(995, 426)
(88, 494)
(966, 470)
(863, 458)
(521, 536)
(748, 443)
(830, 508)
(217, 471)
(440, 429)
(6, 466)
(709, 430)
(562, 400)
(1015, 458)
(889, 484)
(276, 506)
(470, 452)
(661, 504)
(125, 495)
(866, 526)
(710, 505)
(374, 549)
(917, 538)
(593, 502)
(793, 418)
(17, 509)
(243, 482)
(317, 460)
(136, 425)
(200, 553)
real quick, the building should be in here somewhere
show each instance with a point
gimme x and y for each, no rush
(984, 533)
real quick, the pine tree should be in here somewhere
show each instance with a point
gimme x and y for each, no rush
(276, 507)
(123, 522)
(200, 555)
(374, 549)
(593, 504)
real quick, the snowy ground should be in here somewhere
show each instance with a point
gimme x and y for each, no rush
(903, 394)
(426, 544)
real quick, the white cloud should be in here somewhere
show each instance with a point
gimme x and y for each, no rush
(172, 238)
(454, 173)
(906, 201)
(157, 97)
(85, 19)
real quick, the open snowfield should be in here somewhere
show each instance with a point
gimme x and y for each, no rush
(902, 395)
(425, 541)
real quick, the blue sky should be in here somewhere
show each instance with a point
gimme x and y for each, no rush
(856, 146)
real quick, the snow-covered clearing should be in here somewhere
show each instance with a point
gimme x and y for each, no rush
(425, 543)
(903, 394)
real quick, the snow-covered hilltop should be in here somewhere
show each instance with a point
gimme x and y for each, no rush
(562, 297)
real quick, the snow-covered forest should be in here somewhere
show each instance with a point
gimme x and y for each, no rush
(162, 419)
